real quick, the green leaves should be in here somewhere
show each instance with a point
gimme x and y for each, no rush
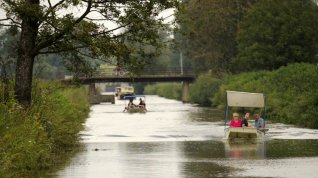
(276, 33)
(208, 32)
(32, 140)
(204, 88)
(290, 91)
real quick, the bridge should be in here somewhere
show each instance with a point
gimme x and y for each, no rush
(138, 78)
(185, 77)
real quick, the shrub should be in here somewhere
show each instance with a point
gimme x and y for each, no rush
(168, 90)
(31, 139)
(203, 89)
(290, 92)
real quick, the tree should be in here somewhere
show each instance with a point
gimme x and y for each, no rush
(276, 33)
(208, 32)
(74, 29)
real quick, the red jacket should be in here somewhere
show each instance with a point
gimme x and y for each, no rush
(237, 123)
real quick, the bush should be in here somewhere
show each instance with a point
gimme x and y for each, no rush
(168, 90)
(30, 140)
(290, 92)
(203, 89)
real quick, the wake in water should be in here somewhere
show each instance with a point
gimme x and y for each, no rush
(168, 120)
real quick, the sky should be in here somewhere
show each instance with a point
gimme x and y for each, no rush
(111, 25)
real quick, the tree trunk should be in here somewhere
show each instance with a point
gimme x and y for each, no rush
(26, 55)
(23, 79)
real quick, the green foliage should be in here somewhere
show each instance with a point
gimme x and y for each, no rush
(208, 32)
(168, 90)
(81, 38)
(31, 140)
(203, 89)
(277, 33)
(7, 54)
(291, 95)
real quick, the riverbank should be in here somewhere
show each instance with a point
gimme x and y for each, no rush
(290, 91)
(33, 140)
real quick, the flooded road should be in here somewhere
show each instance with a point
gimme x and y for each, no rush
(181, 140)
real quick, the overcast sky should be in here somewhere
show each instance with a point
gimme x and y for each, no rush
(111, 25)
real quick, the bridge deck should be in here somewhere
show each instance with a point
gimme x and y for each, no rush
(145, 78)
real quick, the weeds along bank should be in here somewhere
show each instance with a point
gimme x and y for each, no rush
(291, 92)
(33, 140)
(167, 90)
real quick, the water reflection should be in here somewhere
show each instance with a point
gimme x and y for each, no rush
(251, 149)
(291, 148)
(181, 140)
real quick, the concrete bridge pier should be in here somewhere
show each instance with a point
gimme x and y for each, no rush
(93, 97)
(96, 98)
(92, 89)
(185, 92)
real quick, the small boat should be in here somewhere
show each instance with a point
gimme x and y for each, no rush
(244, 99)
(135, 108)
(243, 132)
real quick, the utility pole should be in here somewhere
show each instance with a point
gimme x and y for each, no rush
(181, 63)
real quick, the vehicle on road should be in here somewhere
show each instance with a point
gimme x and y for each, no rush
(121, 92)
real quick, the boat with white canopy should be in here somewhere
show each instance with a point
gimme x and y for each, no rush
(133, 108)
(247, 100)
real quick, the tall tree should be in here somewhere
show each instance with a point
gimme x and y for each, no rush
(72, 27)
(208, 32)
(276, 33)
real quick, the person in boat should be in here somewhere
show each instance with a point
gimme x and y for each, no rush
(142, 103)
(236, 121)
(131, 103)
(259, 122)
(245, 119)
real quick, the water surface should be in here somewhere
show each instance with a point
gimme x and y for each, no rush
(182, 140)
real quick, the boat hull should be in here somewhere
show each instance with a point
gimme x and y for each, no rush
(136, 110)
(243, 133)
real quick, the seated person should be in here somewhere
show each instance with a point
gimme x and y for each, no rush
(245, 119)
(130, 104)
(142, 103)
(259, 122)
(236, 122)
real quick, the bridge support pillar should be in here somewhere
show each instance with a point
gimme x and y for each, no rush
(93, 97)
(185, 92)
(92, 89)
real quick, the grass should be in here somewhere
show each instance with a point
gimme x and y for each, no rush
(32, 140)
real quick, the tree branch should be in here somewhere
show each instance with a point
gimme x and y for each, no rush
(13, 21)
(67, 29)
(8, 25)
(63, 50)
(108, 31)
(51, 9)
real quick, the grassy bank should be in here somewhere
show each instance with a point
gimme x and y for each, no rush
(291, 92)
(201, 91)
(31, 141)
(167, 90)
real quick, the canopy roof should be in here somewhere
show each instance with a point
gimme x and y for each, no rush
(245, 99)
(133, 97)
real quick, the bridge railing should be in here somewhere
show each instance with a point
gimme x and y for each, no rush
(146, 72)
